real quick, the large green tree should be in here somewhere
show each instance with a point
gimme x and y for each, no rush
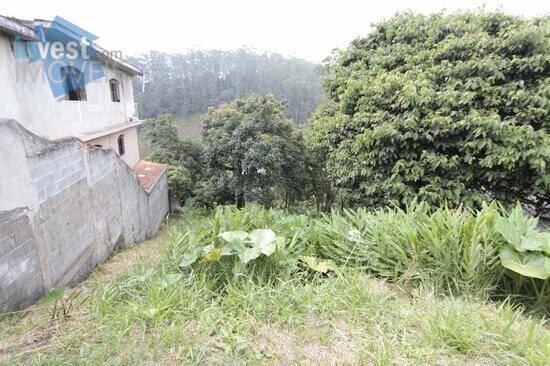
(445, 108)
(252, 153)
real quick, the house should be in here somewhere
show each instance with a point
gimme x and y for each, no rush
(73, 188)
(100, 112)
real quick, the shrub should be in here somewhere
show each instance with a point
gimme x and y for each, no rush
(443, 108)
(180, 182)
(166, 146)
(252, 243)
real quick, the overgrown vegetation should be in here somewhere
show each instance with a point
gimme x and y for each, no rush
(446, 108)
(450, 251)
(279, 308)
(388, 246)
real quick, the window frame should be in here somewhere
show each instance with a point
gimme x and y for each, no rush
(121, 145)
(114, 88)
(73, 81)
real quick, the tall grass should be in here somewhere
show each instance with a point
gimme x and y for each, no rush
(453, 250)
(447, 251)
(284, 312)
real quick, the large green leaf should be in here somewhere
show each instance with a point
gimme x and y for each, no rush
(265, 240)
(250, 254)
(537, 241)
(521, 232)
(531, 264)
(234, 242)
(190, 257)
(231, 236)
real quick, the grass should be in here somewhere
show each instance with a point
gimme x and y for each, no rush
(133, 310)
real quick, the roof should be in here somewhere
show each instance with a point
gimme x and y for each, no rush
(149, 173)
(92, 135)
(25, 29)
(16, 27)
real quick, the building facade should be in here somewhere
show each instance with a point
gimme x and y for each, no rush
(73, 188)
(102, 113)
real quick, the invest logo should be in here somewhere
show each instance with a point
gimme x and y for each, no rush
(69, 59)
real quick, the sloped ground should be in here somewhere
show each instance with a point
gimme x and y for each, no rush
(352, 319)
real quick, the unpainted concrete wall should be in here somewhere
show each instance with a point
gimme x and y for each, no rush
(85, 202)
(21, 281)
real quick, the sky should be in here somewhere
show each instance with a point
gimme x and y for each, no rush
(306, 29)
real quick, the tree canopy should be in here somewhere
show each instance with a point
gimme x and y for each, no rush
(252, 151)
(181, 84)
(445, 108)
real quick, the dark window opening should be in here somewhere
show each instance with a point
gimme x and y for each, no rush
(74, 83)
(121, 147)
(115, 91)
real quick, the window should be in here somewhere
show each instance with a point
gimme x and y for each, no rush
(74, 83)
(121, 147)
(115, 94)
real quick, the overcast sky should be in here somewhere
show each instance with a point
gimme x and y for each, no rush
(308, 29)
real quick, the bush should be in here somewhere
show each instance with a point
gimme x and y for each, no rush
(452, 250)
(180, 182)
(444, 108)
(253, 243)
(457, 251)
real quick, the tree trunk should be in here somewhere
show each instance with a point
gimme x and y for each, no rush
(239, 194)
(240, 200)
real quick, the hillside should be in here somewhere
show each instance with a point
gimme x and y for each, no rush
(188, 83)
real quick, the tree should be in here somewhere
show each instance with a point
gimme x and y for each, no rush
(166, 146)
(251, 150)
(445, 108)
(183, 156)
(192, 82)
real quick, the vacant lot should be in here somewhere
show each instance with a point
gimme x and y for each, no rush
(136, 310)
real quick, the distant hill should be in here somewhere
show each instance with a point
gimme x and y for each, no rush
(188, 83)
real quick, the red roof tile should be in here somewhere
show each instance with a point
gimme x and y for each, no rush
(148, 173)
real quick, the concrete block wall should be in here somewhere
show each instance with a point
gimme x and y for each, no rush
(21, 281)
(86, 202)
(56, 170)
(66, 226)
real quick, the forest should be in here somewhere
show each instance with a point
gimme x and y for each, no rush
(191, 82)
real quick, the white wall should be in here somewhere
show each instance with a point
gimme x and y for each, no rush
(25, 96)
(15, 181)
(131, 157)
